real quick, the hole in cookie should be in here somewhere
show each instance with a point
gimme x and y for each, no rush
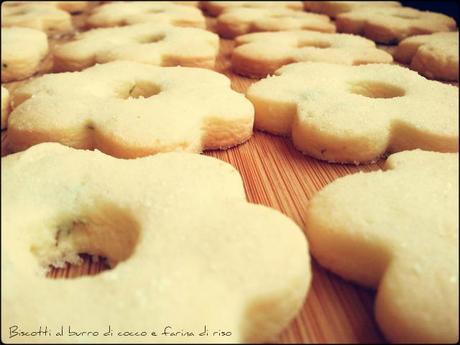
(317, 44)
(151, 39)
(141, 89)
(89, 265)
(375, 89)
(109, 235)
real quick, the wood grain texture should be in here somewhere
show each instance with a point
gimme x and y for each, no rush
(275, 174)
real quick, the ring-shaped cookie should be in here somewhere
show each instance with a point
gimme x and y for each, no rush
(262, 53)
(23, 49)
(392, 24)
(355, 114)
(215, 8)
(150, 43)
(334, 8)
(47, 18)
(133, 12)
(129, 109)
(396, 231)
(243, 20)
(190, 252)
(434, 56)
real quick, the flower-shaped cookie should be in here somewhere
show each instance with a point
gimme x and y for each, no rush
(262, 53)
(334, 8)
(69, 6)
(129, 109)
(397, 231)
(150, 43)
(133, 12)
(342, 113)
(23, 50)
(392, 24)
(187, 250)
(5, 95)
(241, 20)
(435, 56)
(47, 18)
(215, 8)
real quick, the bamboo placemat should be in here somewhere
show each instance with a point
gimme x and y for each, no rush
(275, 174)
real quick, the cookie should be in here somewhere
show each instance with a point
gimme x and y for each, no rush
(355, 114)
(397, 231)
(68, 6)
(334, 8)
(434, 56)
(5, 103)
(187, 3)
(23, 50)
(47, 18)
(262, 53)
(240, 20)
(215, 8)
(150, 43)
(133, 12)
(391, 25)
(128, 109)
(187, 249)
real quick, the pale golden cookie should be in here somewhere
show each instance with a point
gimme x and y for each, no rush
(391, 25)
(434, 56)
(68, 6)
(396, 231)
(133, 12)
(128, 109)
(355, 114)
(334, 8)
(215, 8)
(5, 106)
(240, 20)
(47, 18)
(187, 3)
(262, 53)
(23, 50)
(150, 43)
(187, 247)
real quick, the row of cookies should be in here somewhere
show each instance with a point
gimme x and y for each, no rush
(434, 56)
(147, 88)
(159, 45)
(328, 120)
(162, 212)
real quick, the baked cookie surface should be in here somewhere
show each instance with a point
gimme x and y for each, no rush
(355, 114)
(391, 25)
(47, 18)
(262, 53)
(5, 95)
(240, 20)
(133, 12)
(397, 231)
(23, 50)
(150, 43)
(434, 56)
(68, 6)
(334, 8)
(186, 248)
(128, 110)
(215, 8)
